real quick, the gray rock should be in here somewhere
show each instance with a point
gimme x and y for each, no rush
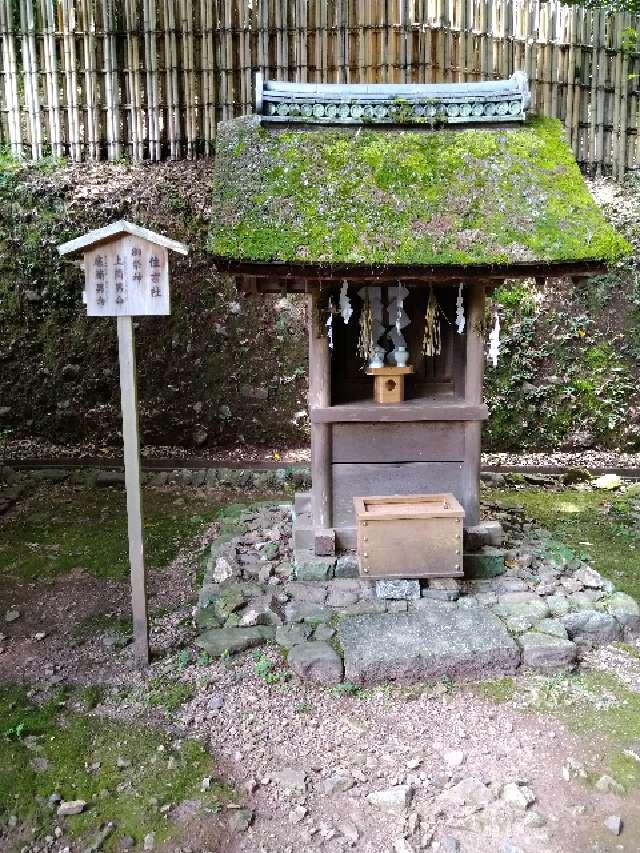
(518, 795)
(558, 604)
(534, 820)
(215, 702)
(313, 614)
(99, 838)
(338, 782)
(398, 589)
(347, 567)
(484, 533)
(449, 844)
(588, 577)
(324, 633)
(307, 593)
(71, 807)
(363, 607)
(316, 661)
(614, 824)
(240, 820)
(11, 615)
(289, 636)
(349, 831)
(339, 596)
(470, 793)
(438, 639)
(391, 799)
(219, 640)
(584, 599)
(625, 610)
(521, 610)
(309, 567)
(590, 627)
(554, 627)
(149, 842)
(607, 785)
(291, 779)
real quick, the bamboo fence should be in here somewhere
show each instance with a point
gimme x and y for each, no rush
(105, 79)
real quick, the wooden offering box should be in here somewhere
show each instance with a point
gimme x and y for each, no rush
(409, 536)
(388, 383)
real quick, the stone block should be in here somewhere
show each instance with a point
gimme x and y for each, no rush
(488, 562)
(217, 641)
(316, 661)
(308, 592)
(289, 636)
(625, 610)
(309, 567)
(485, 533)
(398, 589)
(546, 652)
(347, 566)
(436, 640)
(364, 607)
(591, 627)
(325, 543)
(311, 613)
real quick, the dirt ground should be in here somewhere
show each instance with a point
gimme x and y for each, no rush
(303, 759)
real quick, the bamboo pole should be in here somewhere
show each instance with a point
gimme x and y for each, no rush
(92, 149)
(51, 75)
(71, 80)
(30, 76)
(111, 86)
(151, 75)
(10, 68)
(171, 84)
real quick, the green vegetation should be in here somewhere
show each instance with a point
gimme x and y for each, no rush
(498, 689)
(602, 526)
(126, 774)
(589, 390)
(478, 196)
(169, 694)
(58, 530)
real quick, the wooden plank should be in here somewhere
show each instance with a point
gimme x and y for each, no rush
(398, 442)
(352, 480)
(130, 434)
(409, 410)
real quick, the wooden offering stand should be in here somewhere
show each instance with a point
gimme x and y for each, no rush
(388, 385)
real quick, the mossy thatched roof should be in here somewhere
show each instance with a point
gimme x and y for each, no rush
(383, 197)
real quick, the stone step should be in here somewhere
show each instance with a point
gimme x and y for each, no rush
(437, 640)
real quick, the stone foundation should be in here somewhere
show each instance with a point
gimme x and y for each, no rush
(534, 609)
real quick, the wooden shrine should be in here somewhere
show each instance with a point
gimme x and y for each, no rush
(397, 210)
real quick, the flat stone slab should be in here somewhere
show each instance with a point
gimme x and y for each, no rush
(439, 639)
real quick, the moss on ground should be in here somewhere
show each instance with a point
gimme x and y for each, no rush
(126, 774)
(169, 694)
(476, 196)
(498, 689)
(600, 525)
(65, 528)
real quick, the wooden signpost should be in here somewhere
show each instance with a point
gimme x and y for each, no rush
(126, 273)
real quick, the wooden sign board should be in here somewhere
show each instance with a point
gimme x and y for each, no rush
(128, 277)
(126, 273)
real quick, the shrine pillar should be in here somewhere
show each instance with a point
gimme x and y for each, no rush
(319, 397)
(473, 381)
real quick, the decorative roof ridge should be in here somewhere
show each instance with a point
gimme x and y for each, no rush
(486, 102)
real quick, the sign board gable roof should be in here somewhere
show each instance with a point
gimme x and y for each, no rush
(113, 232)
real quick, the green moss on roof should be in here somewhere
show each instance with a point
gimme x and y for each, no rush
(475, 196)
